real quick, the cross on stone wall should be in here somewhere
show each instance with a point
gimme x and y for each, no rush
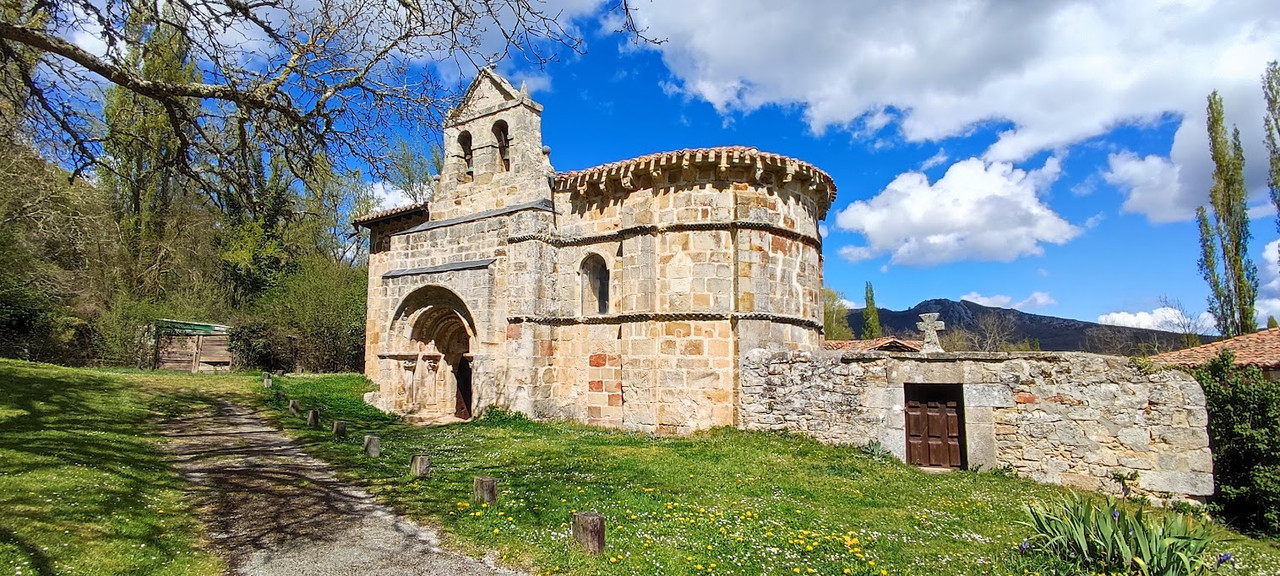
(930, 325)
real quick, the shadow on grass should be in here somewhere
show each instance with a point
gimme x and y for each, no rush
(79, 473)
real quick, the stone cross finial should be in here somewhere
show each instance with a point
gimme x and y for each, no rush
(930, 325)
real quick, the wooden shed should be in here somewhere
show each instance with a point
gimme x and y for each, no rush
(191, 346)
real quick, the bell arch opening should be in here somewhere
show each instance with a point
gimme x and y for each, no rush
(437, 328)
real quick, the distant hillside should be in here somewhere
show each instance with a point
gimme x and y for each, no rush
(1051, 332)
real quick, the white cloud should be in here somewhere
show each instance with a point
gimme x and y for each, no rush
(936, 160)
(1058, 72)
(850, 304)
(1163, 318)
(976, 211)
(387, 196)
(1035, 300)
(823, 231)
(1151, 186)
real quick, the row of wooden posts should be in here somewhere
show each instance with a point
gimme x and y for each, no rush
(588, 527)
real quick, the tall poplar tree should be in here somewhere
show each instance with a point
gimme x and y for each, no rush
(1271, 131)
(149, 196)
(1224, 233)
(870, 316)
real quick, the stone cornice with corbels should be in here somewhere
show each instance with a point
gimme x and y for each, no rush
(762, 167)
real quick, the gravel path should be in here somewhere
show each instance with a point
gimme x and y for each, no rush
(273, 510)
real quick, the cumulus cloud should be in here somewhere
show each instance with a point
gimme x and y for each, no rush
(387, 196)
(1151, 186)
(1057, 72)
(1163, 318)
(978, 210)
(1035, 300)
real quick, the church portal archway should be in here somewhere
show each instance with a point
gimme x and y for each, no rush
(438, 374)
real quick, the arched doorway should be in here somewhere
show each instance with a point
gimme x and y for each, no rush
(438, 375)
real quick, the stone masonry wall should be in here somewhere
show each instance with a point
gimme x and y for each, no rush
(1065, 418)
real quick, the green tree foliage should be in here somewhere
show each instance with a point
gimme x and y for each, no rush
(412, 171)
(322, 305)
(1244, 434)
(1224, 233)
(156, 208)
(1272, 323)
(835, 316)
(870, 316)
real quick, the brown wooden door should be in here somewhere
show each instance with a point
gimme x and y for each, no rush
(933, 433)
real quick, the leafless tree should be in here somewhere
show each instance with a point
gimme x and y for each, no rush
(993, 332)
(1182, 322)
(305, 79)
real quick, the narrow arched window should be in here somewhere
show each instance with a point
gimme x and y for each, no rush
(503, 140)
(595, 286)
(468, 156)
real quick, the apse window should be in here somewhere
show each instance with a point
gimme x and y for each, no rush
(504, 145)
(595, 286)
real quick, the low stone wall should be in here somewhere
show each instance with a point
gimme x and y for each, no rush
(1066, 418)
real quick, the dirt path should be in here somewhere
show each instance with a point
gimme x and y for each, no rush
(272, 510)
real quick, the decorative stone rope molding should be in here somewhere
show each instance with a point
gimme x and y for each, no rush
(664, 317)
(562, 241)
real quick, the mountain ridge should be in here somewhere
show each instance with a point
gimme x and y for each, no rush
(1047, 332)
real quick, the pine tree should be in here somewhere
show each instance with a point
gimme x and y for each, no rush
(1224, 232)
(1271, 322)
(870, 316)
(835, 316)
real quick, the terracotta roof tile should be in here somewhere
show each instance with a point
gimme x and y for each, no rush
(1262, 348)
(884, 343)
(731, 155)
(375, 216)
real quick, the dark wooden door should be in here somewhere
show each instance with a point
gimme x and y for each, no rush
(463, 407)
(935, 425)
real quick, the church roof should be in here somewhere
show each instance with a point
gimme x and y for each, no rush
(1261, 348)
(372, 217)
(882, 344)
(722, 155)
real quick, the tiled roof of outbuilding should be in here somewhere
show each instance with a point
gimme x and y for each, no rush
(885, 343)
(375, 216)
(1262, 349)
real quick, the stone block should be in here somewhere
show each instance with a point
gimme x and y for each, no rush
(1177, 482)
(372, 446)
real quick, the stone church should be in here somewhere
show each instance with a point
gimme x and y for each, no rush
(621, 295)
(681, 291)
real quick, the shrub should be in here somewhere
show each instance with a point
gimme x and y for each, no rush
(1244, 433)
(1107, 539)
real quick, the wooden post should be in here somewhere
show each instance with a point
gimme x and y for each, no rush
(486, 490)
(266, 379)
(295, 407)
(420, 465)
(280, 395)
(588, 530)
(339, 429)
(372, 446)
(313, 418)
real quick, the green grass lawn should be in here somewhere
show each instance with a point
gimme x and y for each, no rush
(83, 488)
(721, 502)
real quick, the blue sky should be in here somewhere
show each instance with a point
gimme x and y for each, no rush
(1046, 155)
